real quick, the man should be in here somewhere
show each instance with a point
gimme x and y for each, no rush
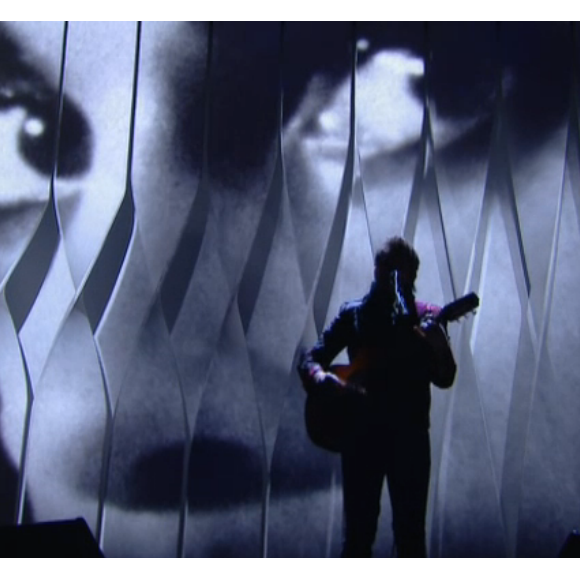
(404, 349)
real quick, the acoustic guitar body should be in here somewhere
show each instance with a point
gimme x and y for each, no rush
(329, 413)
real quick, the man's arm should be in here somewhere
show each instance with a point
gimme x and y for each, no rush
(313, 363)
(442, 365)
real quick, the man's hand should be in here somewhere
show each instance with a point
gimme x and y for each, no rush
(433, 333)
(442, 364)
(326, 380)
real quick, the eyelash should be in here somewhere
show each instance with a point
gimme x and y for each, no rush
(37, 136)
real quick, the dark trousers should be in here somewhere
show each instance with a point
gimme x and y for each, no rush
(403, 456)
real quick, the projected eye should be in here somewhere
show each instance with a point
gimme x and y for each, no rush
(37, 134)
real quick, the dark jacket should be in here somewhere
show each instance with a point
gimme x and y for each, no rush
(399, 364)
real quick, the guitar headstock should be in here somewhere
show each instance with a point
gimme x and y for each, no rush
(459, 308)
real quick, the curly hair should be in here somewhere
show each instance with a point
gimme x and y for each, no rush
(397, 254)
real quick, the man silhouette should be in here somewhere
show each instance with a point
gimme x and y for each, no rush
(404, 349)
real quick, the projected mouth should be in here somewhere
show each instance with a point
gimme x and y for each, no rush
(222, 474)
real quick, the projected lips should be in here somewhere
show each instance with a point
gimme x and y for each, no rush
(154, 481)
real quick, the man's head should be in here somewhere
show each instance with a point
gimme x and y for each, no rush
(396, 254)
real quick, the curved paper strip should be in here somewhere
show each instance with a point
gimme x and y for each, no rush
(533, 138)
(227, 439)
(554, 407)
(536, 111)
(431, 236)
(26, 279)
(65, 447)
(40, 93)
(149, 433)
(389, 121)
(315, 176)
(241, 152)
(14, 397)
(243, 260)
(316, 127)
(29, 116)
(171, 133)
(87, 208)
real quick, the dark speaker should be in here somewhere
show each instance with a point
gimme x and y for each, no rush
(61, 539)
(571, 547)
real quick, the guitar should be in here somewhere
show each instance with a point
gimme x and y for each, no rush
(327, 411)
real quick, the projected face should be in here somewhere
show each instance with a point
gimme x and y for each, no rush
(196, 347)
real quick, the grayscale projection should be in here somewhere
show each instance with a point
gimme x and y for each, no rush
(184, 206)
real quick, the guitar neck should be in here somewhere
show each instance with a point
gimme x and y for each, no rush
(458, 308)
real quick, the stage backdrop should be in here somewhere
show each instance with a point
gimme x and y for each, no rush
(184, 206)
